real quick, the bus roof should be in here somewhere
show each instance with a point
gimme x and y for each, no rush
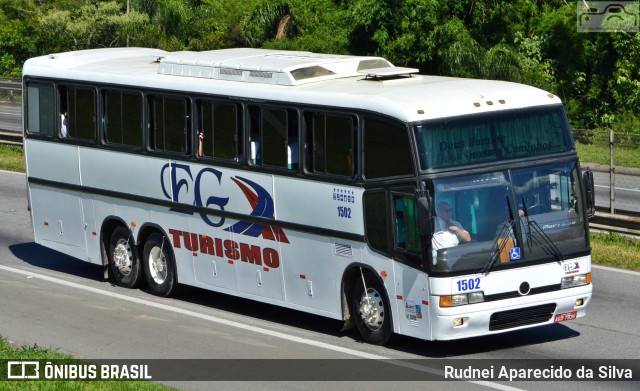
(356, 82)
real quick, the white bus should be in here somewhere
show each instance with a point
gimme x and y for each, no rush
(342, 186)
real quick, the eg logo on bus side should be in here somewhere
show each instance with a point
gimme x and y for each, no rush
(258, 197)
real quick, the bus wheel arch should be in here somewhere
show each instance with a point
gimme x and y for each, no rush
(369, 312)
(120, 253)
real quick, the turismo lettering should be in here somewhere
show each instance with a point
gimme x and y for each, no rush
(227, 248)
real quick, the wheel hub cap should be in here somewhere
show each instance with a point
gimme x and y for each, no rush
(122, 257)
(372, 309)
(158, 266)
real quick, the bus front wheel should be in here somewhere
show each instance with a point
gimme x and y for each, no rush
(123, 259)
(370, 308)
(159, 266)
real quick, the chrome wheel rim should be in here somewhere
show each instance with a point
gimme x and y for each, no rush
(157, 265)
(371, 309)
(123, 256)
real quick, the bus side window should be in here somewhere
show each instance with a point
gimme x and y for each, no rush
(273, 136)
(168, 123)
(77, 112)
(122, 117)
(406, 220)
(41, 112)
(375, 211)
(387, 151)
(330, 144)
(218, 125)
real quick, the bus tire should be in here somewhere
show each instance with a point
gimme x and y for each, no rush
(123, 258)
(371, 310)
(159, 266)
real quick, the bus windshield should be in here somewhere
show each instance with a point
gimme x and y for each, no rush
(492, 137)
(506, 218)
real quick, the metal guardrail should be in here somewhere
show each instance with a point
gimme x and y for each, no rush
(624, 222)
(10, 88)
(10, 138)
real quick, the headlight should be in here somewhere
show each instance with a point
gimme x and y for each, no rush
(573, 281)
(476, 297)
(461, 299)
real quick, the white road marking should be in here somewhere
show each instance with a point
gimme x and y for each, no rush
(246, 327)
(11, 172)
(613, 269)
(619, 188)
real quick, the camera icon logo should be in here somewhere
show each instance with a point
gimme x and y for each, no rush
(607, 16)
(23, 370)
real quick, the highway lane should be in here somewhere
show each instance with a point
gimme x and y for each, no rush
(627, 191)
(66, 305)
(11, 117)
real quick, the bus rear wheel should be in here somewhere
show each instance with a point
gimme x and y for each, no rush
(159, 266)
(370, 309)
(123, 259)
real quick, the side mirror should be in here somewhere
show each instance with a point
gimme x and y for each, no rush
(590, 194)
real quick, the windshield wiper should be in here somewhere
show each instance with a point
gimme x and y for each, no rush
(547, 244)
(505, 233)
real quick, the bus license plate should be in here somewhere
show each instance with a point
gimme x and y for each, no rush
(566, 316)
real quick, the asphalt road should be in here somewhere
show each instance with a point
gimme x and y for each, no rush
(627, 191)
(11, 117)
(54, 301)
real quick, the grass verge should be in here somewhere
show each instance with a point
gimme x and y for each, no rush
(615, 250)
(599, 154)
(10, 352)
(11, 158)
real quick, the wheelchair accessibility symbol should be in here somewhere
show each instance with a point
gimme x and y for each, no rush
(514, 253)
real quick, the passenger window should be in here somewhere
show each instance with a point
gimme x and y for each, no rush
(77, 112)
(168, 123)
(375, 210)
(218, 130)
(273, 137)
(122, 121)
(387, 151)
(331, 150)
(41, 112)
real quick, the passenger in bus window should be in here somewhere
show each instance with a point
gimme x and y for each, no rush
(444, 222)
(64, 123)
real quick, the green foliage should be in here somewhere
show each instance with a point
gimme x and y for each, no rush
(264, 22)
(596, 74)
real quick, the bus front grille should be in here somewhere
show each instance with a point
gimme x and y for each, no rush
(521, 317)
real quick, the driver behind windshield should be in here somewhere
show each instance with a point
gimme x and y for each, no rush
(444, 222)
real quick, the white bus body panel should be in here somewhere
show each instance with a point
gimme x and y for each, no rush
(58, 220)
